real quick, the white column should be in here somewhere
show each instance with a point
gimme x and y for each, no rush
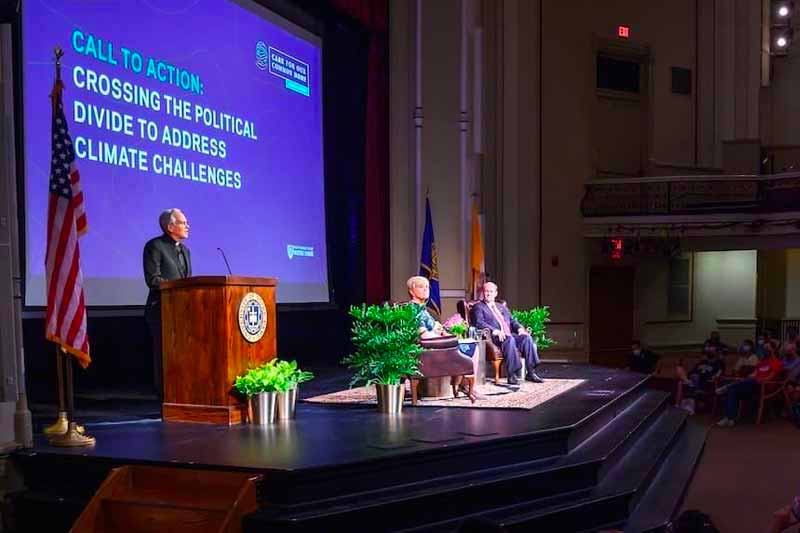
(15, 426)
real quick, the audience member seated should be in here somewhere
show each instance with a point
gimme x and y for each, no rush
(747, 360)
(691, 385)
(761, 341)
(514, 340)
(769, 368)
(641, 359)
(791, 388)
(789, 357)
(715, 341)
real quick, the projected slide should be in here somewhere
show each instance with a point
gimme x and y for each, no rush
(211, 106)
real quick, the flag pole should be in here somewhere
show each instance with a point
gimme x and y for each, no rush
(61, 425)
(75, 433)
(65, 431)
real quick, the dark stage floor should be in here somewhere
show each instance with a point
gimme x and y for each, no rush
(333, 434)
(609, 451)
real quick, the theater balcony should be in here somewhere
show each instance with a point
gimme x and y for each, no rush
(693, 206)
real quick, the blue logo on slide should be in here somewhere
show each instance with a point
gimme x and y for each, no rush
(262, 55)
(293, 250)
(296, 73)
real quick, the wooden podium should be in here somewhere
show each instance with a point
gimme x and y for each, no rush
(204, 348)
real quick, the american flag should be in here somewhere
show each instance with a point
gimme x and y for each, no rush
(66, 223)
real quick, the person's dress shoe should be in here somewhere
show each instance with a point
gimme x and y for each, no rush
(512, 380)
(533, 376)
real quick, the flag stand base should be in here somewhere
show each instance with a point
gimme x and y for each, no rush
(72, 438)
(59, 427)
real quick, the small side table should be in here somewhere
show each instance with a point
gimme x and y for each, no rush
(479, 363)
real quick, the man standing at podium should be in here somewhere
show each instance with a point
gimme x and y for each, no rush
(165, 258)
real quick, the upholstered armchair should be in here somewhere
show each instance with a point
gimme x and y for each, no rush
(441, 357)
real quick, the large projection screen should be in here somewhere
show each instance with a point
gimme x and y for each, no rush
(211, 106)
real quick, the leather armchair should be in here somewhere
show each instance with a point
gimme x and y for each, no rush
(441, 357)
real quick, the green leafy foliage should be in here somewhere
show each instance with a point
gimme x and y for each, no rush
(386, 342)
(459, 330)
(536, 320)
(274, 376)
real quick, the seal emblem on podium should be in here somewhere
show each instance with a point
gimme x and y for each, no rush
(252, 317)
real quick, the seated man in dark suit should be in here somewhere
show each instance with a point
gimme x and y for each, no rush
(512, 338)
(164, 258)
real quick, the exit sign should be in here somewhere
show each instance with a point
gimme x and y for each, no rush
(623, 31)
(617, 249)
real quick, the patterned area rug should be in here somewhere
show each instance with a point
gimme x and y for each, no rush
(527, 395)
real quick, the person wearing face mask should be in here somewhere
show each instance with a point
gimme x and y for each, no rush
(747, 359)
(641, 359)
(791, 389)
(694, 382)
(704, 371)
(789, 355)
(769, 368)
(759, 347)
(715, 340)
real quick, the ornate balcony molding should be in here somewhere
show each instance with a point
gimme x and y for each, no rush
(692, 195)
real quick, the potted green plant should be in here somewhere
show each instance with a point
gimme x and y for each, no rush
(535, 320)
(386, 350)
(287, 380)
(259, 385)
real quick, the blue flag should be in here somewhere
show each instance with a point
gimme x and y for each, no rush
(429, 261)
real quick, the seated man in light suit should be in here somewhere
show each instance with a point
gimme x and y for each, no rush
(512, 338)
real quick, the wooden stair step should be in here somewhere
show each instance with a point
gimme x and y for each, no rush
(148, 499)
(130, 516)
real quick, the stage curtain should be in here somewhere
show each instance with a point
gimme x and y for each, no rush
(373, 16)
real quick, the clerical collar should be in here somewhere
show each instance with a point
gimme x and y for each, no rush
(168, 236)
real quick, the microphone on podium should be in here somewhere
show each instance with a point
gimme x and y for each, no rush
(226, 261)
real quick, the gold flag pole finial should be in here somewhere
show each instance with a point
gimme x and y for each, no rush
(59, 53)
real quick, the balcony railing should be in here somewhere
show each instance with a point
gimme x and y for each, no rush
(692, 195)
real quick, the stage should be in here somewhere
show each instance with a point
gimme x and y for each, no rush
(596, 455)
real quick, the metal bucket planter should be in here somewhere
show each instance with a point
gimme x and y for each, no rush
(390, 398)
(287, 403)
(263, 408)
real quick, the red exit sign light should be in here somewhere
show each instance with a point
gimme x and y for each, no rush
(624, 31)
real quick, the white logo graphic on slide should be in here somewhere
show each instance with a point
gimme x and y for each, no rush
(262, 55)
(252, 317)
(293, 250)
